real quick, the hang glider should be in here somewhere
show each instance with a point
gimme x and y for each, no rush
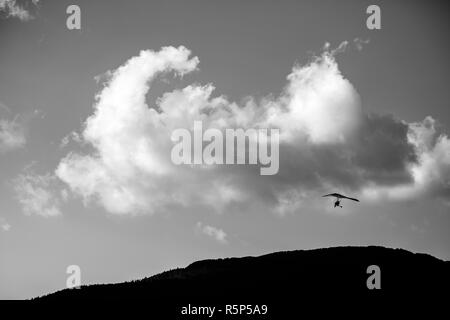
(338, 197)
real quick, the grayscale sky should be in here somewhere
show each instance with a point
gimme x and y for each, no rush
(362, 112)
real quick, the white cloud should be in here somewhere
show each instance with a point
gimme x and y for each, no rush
(36, 196)
(131, 171)
(12, 135)
(15, 10)
(128, 172)
(320, 103)
(4, 225)
(217, 234)
(327, 140)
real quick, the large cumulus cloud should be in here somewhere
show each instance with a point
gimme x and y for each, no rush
(327, 141)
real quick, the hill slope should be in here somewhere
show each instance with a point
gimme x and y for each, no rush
(284, 275)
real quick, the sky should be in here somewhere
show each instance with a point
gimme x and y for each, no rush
(86, 118)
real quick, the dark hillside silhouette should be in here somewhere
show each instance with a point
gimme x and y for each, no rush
(333, 271)
(293, 284)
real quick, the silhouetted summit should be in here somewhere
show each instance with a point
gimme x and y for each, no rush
(319, 272)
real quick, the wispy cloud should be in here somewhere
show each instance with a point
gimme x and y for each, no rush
(360, 43)
(37, 195)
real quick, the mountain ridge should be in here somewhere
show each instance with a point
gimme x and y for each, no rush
(326, 270)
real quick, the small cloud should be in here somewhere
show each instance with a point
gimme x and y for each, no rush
(341, 48)
(73, 136)
(64, 141)
(36, 196)
(289, 202)
(360, 43)
(104, 77)
(12, 135)
(217, 234)
(4, 225)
